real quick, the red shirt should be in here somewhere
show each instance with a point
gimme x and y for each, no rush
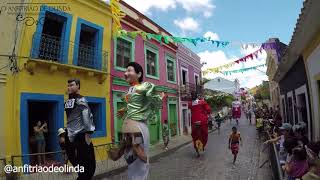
(200, 111)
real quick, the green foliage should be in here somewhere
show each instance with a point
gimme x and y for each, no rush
(205, 80)
(217, 99)
(262, 91)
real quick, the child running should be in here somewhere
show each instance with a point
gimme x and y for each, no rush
(234, 141)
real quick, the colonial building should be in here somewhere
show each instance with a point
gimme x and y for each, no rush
(273, 60)
(306, 40)
(292, 76)
(159, 64)
(223, 85)
(49, 47)
(189, 79)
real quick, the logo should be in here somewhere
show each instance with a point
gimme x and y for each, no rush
(33, 8)
(69, 104)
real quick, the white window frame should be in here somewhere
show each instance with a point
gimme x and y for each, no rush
(181, 117)
(290, 94)
(283, 111)
(194, 75)
(187, 78)
(299, 91)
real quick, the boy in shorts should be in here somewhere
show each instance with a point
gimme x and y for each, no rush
(234, 141)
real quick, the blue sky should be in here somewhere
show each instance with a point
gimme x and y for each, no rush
(227, 20)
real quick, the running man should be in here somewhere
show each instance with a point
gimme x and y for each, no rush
(236, 111)
(234, 141)
(219, 120)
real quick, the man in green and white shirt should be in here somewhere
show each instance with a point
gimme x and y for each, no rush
(165, 134)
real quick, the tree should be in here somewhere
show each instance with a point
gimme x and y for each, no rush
(262, 91)
(217, 99)
(205, 80)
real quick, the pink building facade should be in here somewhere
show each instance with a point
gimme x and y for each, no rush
(159, 63)
(189, 78)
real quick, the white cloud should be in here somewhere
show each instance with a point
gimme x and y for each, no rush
(187, 24)
(144, 6)
(204, 6)
(214, 58)
(211, 35)
(247, 79)
(207, 14)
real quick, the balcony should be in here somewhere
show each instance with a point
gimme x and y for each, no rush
(53, 51)
(50, 48)
(187, 89)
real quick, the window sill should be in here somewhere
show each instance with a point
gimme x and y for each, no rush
(32, 65)
(172, 82)
(152, 77)
(119, 68)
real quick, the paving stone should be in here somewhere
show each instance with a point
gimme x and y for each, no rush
(216, 162)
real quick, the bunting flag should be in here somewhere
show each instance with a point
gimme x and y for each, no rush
(170, 39)
(251, 56)
(217, 69)
(242, 70)
(195, 41)
(117, 31)
(117, 15)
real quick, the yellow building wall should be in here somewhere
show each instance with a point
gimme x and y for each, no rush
(7, 32)
(44, 81)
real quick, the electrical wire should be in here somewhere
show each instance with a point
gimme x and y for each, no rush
(5, 55)
(4, 67)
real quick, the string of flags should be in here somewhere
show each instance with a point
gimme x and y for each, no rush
(250, 56)
(226, 73)
(118, 14)
(195, 41)
(117, 30)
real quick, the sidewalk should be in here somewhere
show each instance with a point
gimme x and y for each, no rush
(156, 151)
(108, 167)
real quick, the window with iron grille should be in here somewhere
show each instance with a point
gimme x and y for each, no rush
(88, 45)
(124, 53)
(152, 63)
(51, 40)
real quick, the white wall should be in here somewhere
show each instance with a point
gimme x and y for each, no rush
(221, 84)
(313, 63)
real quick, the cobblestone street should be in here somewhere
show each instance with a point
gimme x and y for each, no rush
(215, 163)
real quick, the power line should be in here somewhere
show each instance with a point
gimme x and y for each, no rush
(9, 56)
(4, 67)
